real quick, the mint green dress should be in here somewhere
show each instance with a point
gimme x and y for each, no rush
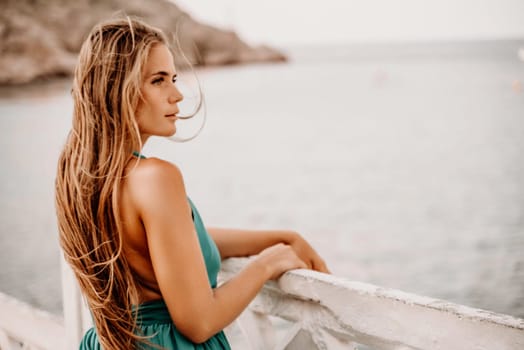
(153, 316)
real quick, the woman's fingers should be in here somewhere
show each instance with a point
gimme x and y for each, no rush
(281, 258)
(320, 266)
(309, 255)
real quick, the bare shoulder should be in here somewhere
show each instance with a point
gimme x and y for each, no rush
(152, 179)
(153, 168)
(151, 171)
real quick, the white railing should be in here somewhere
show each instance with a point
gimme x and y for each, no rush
(303, 310)
(330, 312)
(24, 327)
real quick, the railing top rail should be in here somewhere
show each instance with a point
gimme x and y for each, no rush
(382, 317)
(307, 276)
(31, 326)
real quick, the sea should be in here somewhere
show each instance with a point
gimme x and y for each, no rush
(402, 164)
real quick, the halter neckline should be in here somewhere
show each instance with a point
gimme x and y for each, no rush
(138, 154)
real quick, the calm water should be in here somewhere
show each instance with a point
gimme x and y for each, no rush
(404, 169)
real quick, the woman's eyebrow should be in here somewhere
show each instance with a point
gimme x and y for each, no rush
(163, 73)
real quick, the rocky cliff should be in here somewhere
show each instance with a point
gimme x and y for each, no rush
(41, 38)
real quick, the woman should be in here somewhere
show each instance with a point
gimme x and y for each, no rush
(137, 245)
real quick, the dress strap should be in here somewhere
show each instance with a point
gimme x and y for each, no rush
(139, 155)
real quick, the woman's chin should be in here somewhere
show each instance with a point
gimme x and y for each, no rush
(169, 133)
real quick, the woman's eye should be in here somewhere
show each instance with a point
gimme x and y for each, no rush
(174, 80)
(158, 81)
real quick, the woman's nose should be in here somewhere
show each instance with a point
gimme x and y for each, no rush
(175, 95)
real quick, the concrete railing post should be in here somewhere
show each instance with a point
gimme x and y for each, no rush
(76, 314)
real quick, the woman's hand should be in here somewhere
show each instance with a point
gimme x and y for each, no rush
(280, 258)
(307, 254)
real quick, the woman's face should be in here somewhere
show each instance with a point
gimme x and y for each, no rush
(157, 110)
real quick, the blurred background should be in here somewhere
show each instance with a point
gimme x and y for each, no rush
(391, 137)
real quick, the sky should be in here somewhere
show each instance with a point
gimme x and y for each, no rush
(292, 22)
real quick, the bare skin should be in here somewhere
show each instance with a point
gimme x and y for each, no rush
(160, 241)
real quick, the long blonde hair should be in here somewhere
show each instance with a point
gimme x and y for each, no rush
(104, 133)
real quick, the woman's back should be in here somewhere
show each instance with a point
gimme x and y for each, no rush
(136, 249)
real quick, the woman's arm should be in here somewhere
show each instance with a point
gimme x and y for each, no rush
(197, 310)
(235, 243)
